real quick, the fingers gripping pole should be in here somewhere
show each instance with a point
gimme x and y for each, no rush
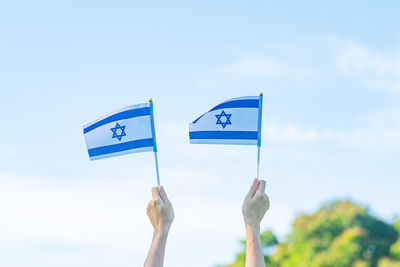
(158, 174)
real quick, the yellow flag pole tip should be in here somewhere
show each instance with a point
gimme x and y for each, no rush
(151, 100)
(261, 94)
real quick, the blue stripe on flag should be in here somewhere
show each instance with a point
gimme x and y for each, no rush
(243, 103)
(120, 147)
(119, 116)
(247, 135)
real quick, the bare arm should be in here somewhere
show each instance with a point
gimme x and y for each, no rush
(161, 215)
(255, 206)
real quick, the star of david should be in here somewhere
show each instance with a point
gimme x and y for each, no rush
(226, 122)
(115, 134)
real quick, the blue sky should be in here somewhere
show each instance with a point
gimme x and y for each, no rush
(330, 74)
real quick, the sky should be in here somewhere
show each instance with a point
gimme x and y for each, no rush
(330, 74)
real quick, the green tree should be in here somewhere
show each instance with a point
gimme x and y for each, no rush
(395, 249)
(339, 234)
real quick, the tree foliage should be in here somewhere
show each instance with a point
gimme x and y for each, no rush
(339, 234)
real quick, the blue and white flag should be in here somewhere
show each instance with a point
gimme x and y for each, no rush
(236, 121)
(128, 130)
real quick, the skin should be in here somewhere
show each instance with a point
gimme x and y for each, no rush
(161, 215)
(255, 205)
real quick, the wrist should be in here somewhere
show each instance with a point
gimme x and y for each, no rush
(161, 231)
(160, 237)
(252, 227)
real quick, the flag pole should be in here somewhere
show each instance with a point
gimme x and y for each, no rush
(258, 162)
(259, 134)
(154, 140)
(158, 174)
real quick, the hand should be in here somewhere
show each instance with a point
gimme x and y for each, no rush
(160, 211)
(255, 204)
(161, 215)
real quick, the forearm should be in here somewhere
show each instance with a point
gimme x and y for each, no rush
(254, 254)
(155, 258)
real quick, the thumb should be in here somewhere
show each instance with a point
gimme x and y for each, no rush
(155, 193)
(253, 189)
(261, 187)
(163, 195)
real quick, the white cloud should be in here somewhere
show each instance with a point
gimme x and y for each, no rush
(39, 210)
(321, 59)
(377, 130)
(374, 68)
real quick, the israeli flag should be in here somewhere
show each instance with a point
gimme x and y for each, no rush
(236, 121)
(127, 130)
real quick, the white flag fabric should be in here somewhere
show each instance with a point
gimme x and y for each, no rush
(127, 130)
(236, 121)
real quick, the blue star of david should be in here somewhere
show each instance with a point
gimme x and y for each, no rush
(227, 121)
(114, 130)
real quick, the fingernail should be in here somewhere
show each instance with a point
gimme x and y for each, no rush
(162, 189)
(255, 181)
